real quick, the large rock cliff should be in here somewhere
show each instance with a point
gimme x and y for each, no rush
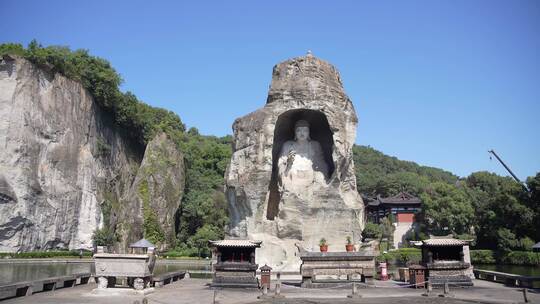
(65, 168)
(302, 209)
(156, 193)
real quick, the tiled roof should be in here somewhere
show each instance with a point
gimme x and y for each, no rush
(235, 243)
(400, 198)
(444, 242)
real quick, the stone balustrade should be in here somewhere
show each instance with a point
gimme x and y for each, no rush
(27, 288)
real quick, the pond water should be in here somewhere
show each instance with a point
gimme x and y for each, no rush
(18, 272)
(32, 270)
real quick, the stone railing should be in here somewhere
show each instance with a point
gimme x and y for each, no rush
(27, 288)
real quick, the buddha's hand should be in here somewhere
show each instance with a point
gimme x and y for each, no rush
(290, 160)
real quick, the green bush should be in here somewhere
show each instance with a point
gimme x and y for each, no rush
(402, 256)
(184, 250)
(483, 257)
(525, 244)
(371, 231)
(188, 254)
(104, 237)
(505, 257)
(521, 258)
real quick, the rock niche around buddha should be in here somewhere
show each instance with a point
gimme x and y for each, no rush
(291, 176)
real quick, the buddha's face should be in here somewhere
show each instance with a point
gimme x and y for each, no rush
(302, 133)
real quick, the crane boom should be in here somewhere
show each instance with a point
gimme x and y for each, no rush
(508, 169)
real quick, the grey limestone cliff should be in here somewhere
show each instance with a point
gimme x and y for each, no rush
(65, 168)
(156, 194)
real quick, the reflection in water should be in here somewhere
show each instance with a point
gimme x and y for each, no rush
(26, 271)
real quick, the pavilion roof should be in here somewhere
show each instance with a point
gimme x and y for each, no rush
(402, 198)
(235, 243)
(444, 242)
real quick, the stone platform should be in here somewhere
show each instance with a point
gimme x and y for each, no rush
(330, 267)
(198, 291)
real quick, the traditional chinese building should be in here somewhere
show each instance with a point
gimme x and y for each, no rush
(447, 260)
(402, 206)
(233, 263)
(401, 209)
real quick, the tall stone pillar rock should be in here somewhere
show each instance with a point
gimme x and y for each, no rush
(285, 189)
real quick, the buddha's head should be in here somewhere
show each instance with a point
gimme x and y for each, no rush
(301, 130)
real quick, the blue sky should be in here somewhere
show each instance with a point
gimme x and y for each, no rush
(435, 82)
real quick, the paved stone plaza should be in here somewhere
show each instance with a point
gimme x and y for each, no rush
(198, 291)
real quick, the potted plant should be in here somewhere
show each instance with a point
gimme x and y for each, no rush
(323, 246)
(349, 246)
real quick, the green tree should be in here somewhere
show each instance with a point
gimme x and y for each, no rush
(386, 229)
(506, 240)
(447, 209)
(371, 231)
(380, 174)
(104, 237)
(499, 203)
(200, 239)
(204, 203)
(533, 202)
(394, 183)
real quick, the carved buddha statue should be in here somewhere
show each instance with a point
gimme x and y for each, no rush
(301, 161)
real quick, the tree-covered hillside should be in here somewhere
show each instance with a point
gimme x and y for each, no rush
(497, 212)
(377, 173)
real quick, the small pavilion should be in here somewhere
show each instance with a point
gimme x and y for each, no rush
(233, 263)
(447, 260)
(141, 246)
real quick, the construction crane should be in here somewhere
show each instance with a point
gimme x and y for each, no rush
(508, 169)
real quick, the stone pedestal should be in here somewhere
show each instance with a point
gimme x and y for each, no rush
(326, 269)
(235, 275)
(454, 273)
(138, 268)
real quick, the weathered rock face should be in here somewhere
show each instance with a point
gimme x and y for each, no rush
(65, 168)
(262, 207)
(155, 195)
